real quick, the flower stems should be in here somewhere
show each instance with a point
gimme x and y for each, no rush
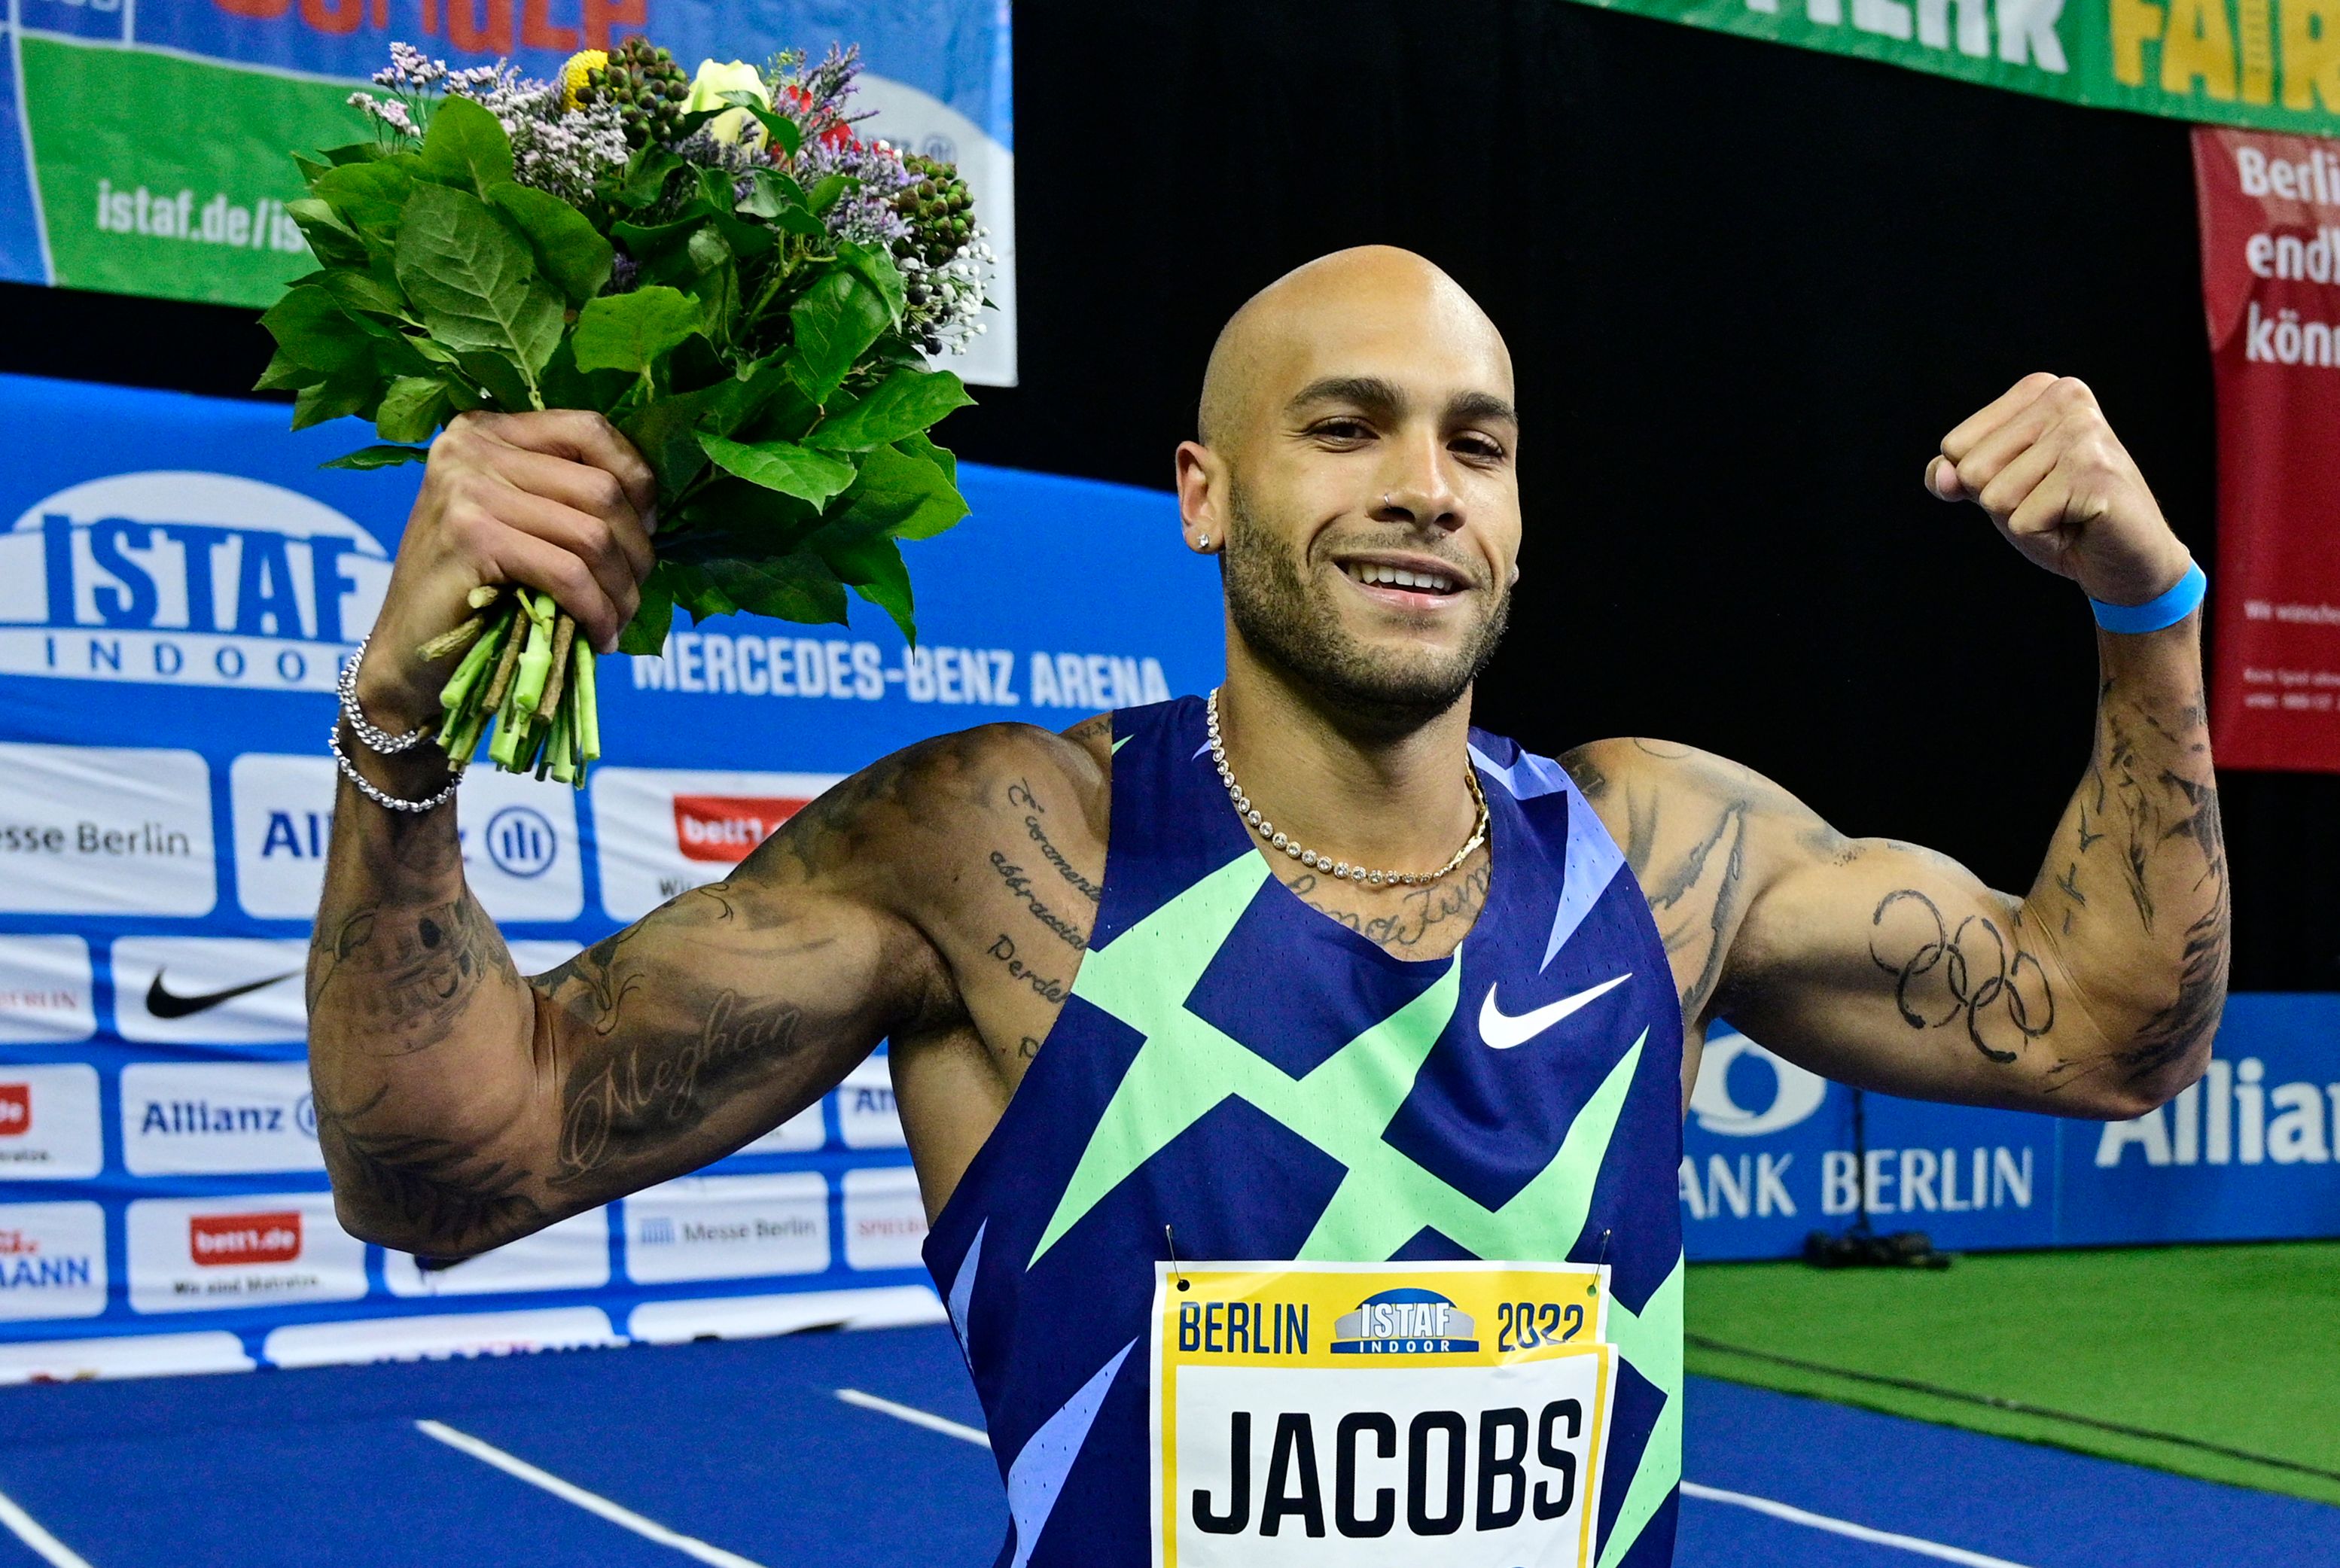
(527, 673)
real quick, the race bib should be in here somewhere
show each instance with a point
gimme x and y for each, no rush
(1360, 1414)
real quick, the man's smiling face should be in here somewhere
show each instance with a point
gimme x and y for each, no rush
(1359, 431)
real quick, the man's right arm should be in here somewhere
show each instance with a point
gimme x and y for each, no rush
(460, 1105)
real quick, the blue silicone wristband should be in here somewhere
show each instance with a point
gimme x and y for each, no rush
(2155, 613)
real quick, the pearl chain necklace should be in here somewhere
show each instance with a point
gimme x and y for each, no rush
(1341, 869)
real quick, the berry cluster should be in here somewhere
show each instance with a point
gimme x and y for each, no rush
(648, 88)
(937, 207)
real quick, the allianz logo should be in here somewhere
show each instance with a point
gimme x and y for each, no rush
(184, 577)
(2232, 1116)
(518, 841)
(219, 1119)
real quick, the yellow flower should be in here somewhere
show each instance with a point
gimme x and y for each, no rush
(576, 72)
(707, 90)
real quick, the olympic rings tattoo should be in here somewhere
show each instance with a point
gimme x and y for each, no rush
(2000, 985)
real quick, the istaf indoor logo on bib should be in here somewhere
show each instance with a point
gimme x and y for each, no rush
(1372, 1415)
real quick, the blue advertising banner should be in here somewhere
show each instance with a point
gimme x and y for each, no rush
(179, 582)
(145, 149)
(2247, 1154)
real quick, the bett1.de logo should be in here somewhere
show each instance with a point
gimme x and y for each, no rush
(186, 578)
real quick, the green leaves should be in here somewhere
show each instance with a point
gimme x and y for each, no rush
(569, 250)
(333, 240)
(872, 565)
(905, 403)
(367, 197)
(779, 127)
(902, 495)
(836, 322)
(313, 332)
(798, 586)
(330, 399)
(466, 147)
(363, 291)
(758, 362)
(475, 285)
(645, 632)
(373, 457)
(829, 190)
(413, 409)
(783, 466)
(875, 268)
(773, 196)
(631, 331)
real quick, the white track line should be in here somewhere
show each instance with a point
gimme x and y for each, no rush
(569, 1491)
(915, 1416)
(1793, 1515)
(27, 1529)
(1923, 1548)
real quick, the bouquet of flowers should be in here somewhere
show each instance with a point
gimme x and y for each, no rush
(719, 264)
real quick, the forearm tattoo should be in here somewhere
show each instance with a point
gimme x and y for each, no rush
(426, 1186)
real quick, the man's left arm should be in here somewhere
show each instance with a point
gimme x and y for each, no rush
(2094, 994)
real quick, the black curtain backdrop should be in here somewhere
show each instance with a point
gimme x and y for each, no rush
(1748, 290)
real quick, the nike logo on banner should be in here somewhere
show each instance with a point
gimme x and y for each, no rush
(1502, 1031)
(168, 1003)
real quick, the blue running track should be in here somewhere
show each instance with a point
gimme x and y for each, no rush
(745, 1450)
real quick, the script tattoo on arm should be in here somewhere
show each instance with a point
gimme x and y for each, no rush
(730, 1008)
(652, 1054)
(1020, 795)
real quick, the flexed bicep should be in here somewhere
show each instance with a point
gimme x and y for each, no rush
(1891, 966)
(1870, 960)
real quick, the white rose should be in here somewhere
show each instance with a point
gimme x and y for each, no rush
(707, 90)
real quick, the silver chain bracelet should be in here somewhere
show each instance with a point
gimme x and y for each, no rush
(377, 740)
(367, 787)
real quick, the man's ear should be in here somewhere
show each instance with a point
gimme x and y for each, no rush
(1203, 484)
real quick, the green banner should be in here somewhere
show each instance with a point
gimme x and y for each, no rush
(2270, 64)
(147, 148)
(184, 198)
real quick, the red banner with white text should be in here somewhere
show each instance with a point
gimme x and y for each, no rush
(2271, 287)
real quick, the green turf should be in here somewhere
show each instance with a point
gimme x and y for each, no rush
(2233, 1345)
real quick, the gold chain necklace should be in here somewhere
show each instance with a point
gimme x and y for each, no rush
(1341, 869)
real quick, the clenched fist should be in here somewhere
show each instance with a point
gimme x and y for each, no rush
(560, 502)
(2043, 462)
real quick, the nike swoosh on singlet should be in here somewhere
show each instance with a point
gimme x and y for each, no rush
(164, 1003)
(1501, 1030)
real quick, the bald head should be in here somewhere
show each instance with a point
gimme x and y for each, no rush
(1302, 326)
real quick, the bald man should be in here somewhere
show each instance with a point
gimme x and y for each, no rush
(1294, 1078)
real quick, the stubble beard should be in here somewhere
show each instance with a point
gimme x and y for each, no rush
(1293, 624)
